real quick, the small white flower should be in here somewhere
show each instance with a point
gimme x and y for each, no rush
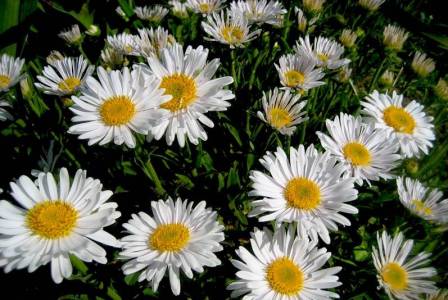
(64, 77)
(326, 52)
(400, 276)
(231, 29)
(282, 111)
(259, 11)
(409, 124)
(111, 58)
(422, 201)
(176, 237)
(151, 13)
(178, 8)
(152, 41)
(348, 38)
(72, 35)
(283, 266)
(313, 6)
(55, 220)
(205, 7)
(10, 69)
(362, 149)
(4, 114)
(394, 37)
(123, 43)
(371, 5)
(422, 65)
(299, 72)
(441, 89)
(302, 21)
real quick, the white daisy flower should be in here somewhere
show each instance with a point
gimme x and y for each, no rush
(176, 237)
(441, 89)
(409, 124)
(313, 6)
(259, 11)
(299, 72)
(120, 12)
(10, 69)
(283, 266)
(205, 7)
(111, 58)
(422, 65)
(178, 8)
(326, 52)
(187, 77)
(152, 41)
(4, 114)
(348, 38)
(371, 5)
(387, 78)
(422, 201)
(362, 149)
(120, 103)
(154, 13)
(55, 220)
(54, 56)
(72, 35)
(64, 77)
(123, 43)
(302, 21)
(307, 188)
(394, 37)
(400, 276)
(282, 111)
(231, 29)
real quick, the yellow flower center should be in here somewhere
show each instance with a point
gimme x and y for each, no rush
(294, 78)
(204, 8)
(322, 57)
(232, 34)
(117, 110)
(279, 117)
(399, 119)
(421, 207)
(183, 90)
(128, 48)
(169, 237)
(357, 154)
(52, 219)
(284, 276)
(4, 81)
(69, 84)
(395, 276)
(302, 193)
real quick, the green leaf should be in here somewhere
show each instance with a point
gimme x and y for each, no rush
(131, 279)
(112, 293)
(79, 264)
(9, 17)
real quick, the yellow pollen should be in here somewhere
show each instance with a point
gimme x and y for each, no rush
(183, 90)
(395, 276)
(357, 154)
(169, 237)
(52, 219)
(117, 110)
(322, 57)
(302, 193)
(232, 34)
(421, 207)
(279, 117)
(399, 119)
(69, 84)
(294, 78)
(4, 81)
(204, 8)
(285, 277)
(128, 48)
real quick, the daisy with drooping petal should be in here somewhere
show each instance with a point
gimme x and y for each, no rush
(72, 35)
(362, 149)
(283, 266)
(64, 77)
(282, 111)
(152, 41)
(299, 72)
(307, 188)
(55, 220)
(10, 69)
(151, 13)
(176, 237)
(123, 43)
(259, 11)
(120, 103)
(188, 78)
(394, 37)
(4, 114)
(409, 124)
(232, 30)
(422, 201)
(205, 7)
(400, 276)
(326, 52)
(371, 5)
(422, 65)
